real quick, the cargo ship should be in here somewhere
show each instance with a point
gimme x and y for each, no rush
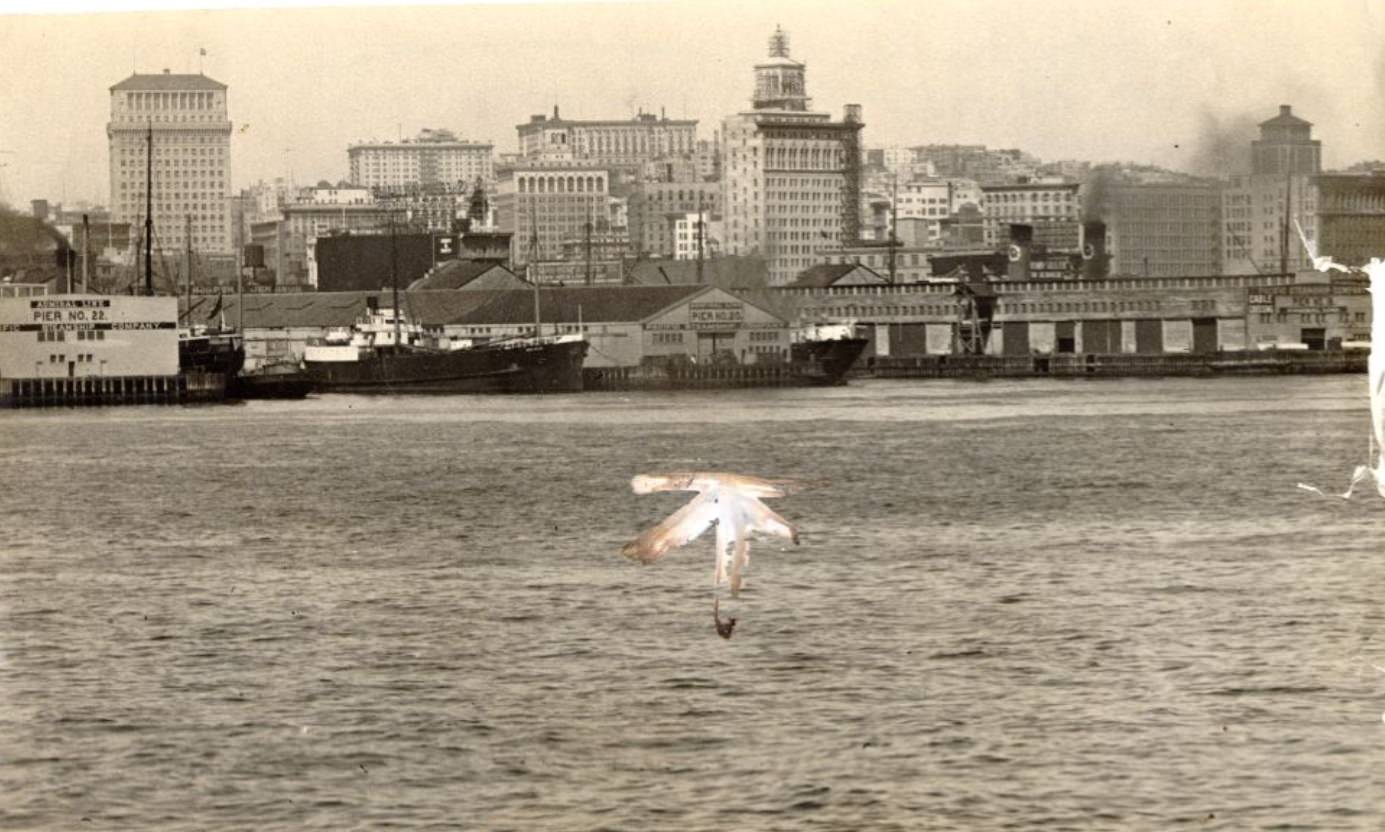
(814, 361)
(836, 348)
(384, 353)
(1124, 365)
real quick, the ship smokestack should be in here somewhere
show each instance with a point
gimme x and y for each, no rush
(1096, 263)
(1020, 251)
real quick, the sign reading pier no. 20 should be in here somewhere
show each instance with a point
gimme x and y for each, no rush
(716, 315)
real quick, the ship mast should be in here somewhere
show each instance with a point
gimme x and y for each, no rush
(86, 253)
(187, 264)
(394, 280)
(149, 213)
(528, 269)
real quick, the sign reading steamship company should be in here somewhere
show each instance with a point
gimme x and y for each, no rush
(46, 336)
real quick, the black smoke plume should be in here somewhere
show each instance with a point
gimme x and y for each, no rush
(1096, 192)
(1222, 146)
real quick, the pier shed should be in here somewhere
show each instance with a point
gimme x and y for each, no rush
(1315, 312)
(62, 349)
(629, 325)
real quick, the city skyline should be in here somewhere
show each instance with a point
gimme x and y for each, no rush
(1173, 85)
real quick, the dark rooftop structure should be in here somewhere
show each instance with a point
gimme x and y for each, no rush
(1286, 145)
(1286, 118)
(165, 80)
(467, 274)
(831, 274)
(569, 304)
(975, 265)
(738, 272)
(364, 262)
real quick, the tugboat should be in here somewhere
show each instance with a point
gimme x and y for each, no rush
(283, 379)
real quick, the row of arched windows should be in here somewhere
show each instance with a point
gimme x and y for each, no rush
(559, 184)
(170, 100)
(809, 158)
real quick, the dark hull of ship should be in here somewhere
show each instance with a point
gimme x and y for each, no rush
(521, 368)
(1124, 365)
(273, 383)
(209, 365)
(819, 366)
(836, 356)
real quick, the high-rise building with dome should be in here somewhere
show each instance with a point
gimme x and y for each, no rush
(791, 177)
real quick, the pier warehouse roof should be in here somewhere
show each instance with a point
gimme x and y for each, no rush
(607, 304)
(315, 310)
(837, 274)
(472, 275)
(728, 272)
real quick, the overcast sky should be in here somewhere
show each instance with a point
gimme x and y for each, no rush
(1157, 82)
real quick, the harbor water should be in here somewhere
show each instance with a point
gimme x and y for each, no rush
(1016, 604)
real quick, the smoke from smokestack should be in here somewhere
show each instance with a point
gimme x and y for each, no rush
(1222, 147)
(1096, 192)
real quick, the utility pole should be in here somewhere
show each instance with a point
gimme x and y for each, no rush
(588, 279)
(86, 252)
(1288, 202)
(240, 288)
(699, 235)
(894, 222)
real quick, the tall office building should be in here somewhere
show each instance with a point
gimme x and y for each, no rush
(1259, 209)
(1162, 229)
(1351, 216)
(1052, 209)
(191, 138)
(791, 178)
(655, 207)
(543, 206)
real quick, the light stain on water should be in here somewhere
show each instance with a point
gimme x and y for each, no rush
(1064, 605)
